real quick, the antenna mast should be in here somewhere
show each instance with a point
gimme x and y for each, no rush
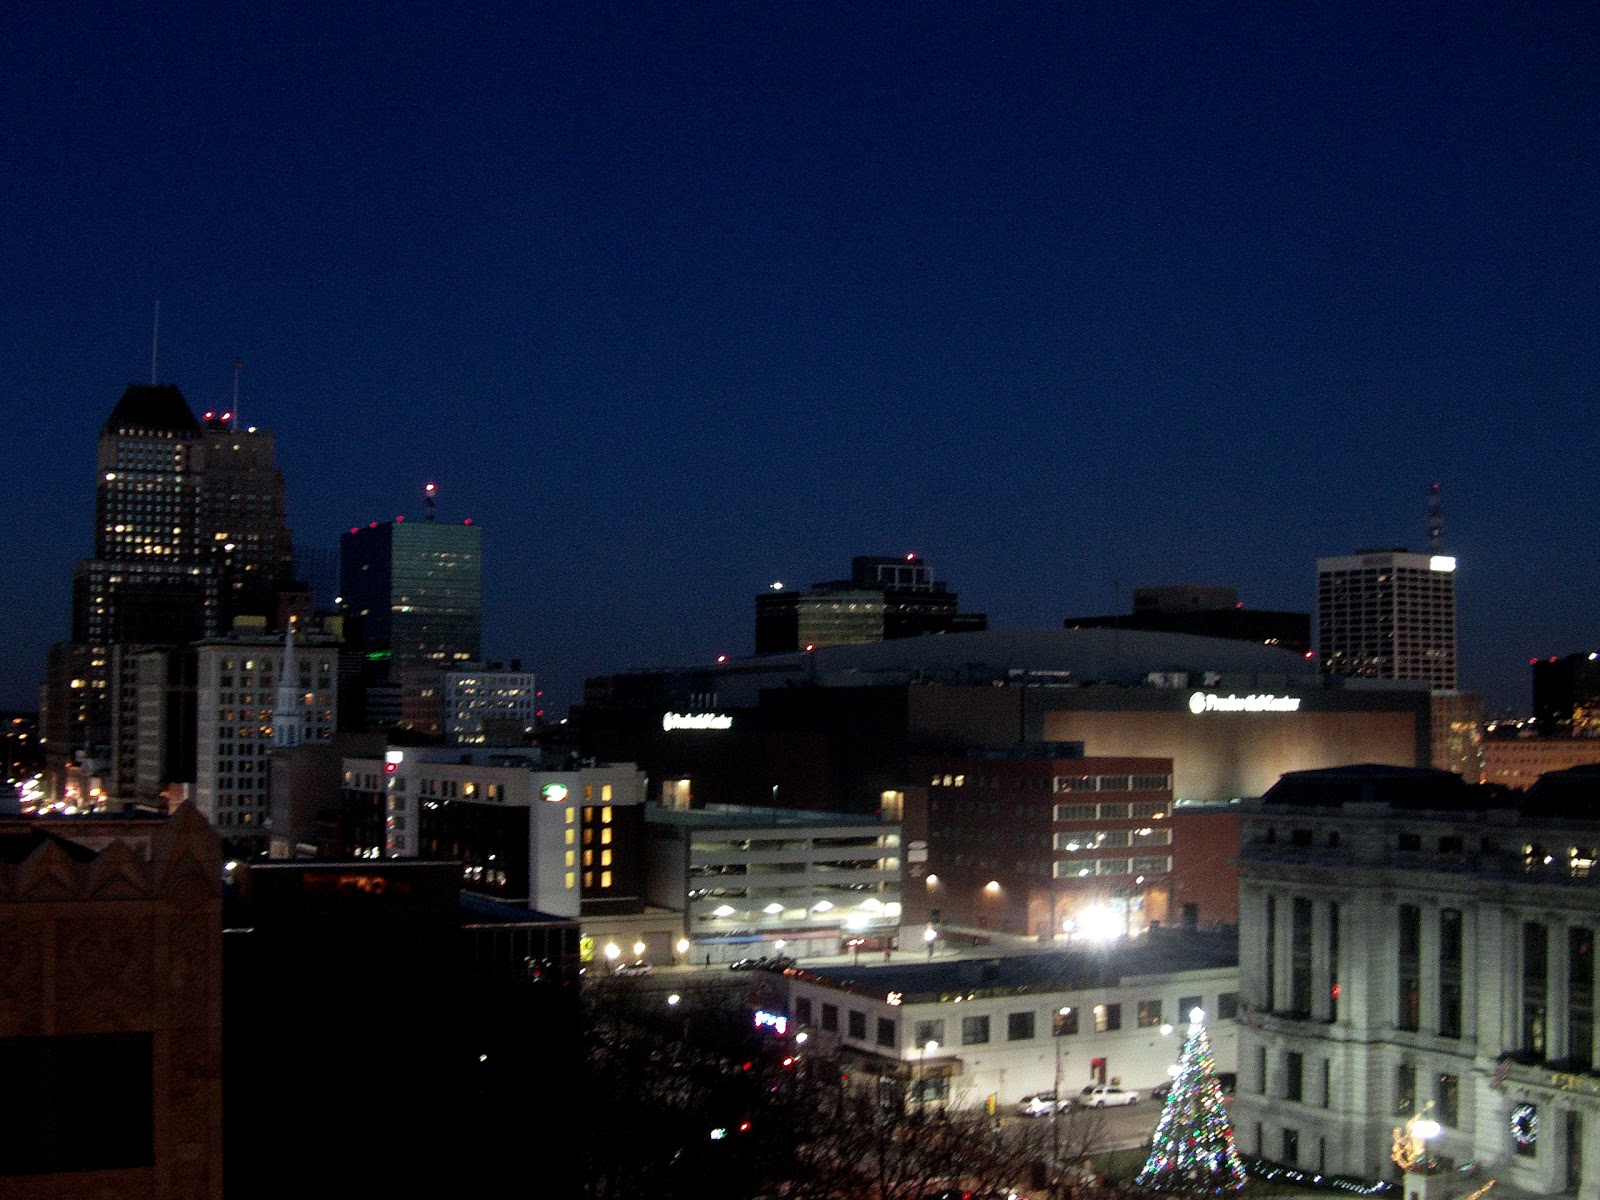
(155, 335)
(1435, 520)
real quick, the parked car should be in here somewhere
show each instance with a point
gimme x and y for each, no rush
(635, 968)
(1106, 1096)
(1041, 1104)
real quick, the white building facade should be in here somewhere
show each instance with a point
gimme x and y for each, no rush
(1388, 615)
(1406, 945)
(250, 694)
(1006, 1028)
(475, 698)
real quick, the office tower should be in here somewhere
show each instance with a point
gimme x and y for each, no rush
(884, 599)
(242, 531)
(1389, 614)
(1208, 612)
(492, 705)
(189, 536)
(1566, 695)
(417, 587)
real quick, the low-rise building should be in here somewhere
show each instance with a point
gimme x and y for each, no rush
(1517, 762)
(750, 879)
(971, 1028)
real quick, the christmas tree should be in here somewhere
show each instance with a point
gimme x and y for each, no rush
(1192, 1149)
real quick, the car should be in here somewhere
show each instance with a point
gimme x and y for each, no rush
(1041, 1104)
(635, 968)
(1106, 1095)
(1161, 1090)
(747, 964)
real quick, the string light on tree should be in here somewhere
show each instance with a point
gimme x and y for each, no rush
(1192, 1150)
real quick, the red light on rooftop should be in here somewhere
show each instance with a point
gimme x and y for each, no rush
(1533, 662)
(1311, 653)
(388, 768)
(468, 521)
(227, 416)
(355, 529)
(372, 524)
(211, 416)
(1238, 603)
(399, 518)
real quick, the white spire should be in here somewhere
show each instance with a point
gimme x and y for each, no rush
(288, 718)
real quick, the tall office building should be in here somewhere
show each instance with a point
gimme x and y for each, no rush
(189, 535)
(417, 587)
(884, 599)
(1389, 614)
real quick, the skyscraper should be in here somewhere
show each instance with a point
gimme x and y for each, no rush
(417, 587)
(884, 599)
(189, 535)
(1389, 614)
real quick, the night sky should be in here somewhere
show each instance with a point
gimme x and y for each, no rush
(676, 300)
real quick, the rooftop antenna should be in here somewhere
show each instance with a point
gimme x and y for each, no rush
(155, 334)
(1435, 520)
(238, 366)
(430, 494)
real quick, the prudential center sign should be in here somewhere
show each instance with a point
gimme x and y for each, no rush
(1204, 702)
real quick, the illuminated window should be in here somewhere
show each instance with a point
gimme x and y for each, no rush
(588, 879)
(572, 836)
(605, 879)
(588, 836)
(588, 814)
(571, 879)
(605, 815)
(605, 793)
(572, 858)
(588, 858)
(588, 792)
(605, 858)
(571, 815)
(605, 836)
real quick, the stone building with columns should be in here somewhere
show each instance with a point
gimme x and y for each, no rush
(1410, 943)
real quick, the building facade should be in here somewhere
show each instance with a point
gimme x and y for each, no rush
(1208, 612)
(885, 598)
(748, 879)
(1411, 943)
(1566, 695)
(490, 705)
(1389, 614)
(1518, 762)
(967, 1030)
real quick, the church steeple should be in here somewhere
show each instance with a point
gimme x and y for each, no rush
(288, 716)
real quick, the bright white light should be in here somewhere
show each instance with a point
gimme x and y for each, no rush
(722, 910)
(773, 909)
(779, 944)
(799, 1039)
(892, 909)
(822, 906)
(856, 921)
(673, 999)
(683, 945)
(1425, 1129)
(932, 881)
(992, 886)
(638, 949)
(929, 934)
(1196, 1015)
(1441, 562)
(613, 951)
(1166, 1031)
(718, 1134)
(871, 904)
(1100, 924)
(1172, 1071)
(930, 1047)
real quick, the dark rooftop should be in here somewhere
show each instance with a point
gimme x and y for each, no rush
(480, 910)
(1159, 952)
(1573, 793)
(1373, 783)
(152, 406)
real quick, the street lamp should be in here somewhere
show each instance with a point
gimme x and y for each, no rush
(613, 952)
(929, 1047)
(1410, 1153)
(929, 936)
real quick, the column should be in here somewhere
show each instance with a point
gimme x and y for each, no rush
(1556, 1034)
(1321, 965)
(1428, 1010)
(1285, 948)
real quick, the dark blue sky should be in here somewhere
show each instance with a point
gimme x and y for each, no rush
(680, 299)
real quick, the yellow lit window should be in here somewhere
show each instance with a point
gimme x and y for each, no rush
(588, 858)
(605, 815)
(605, 879)
(605, 858)
(605, 792)
(571, 879)
(572, 859)
(572, 836)
(571, 814)
(588, 836)
(605, 836)
(588, 814)
(588, 879)
(588, 792)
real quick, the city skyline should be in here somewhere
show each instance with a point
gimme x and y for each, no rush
(675, 305)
